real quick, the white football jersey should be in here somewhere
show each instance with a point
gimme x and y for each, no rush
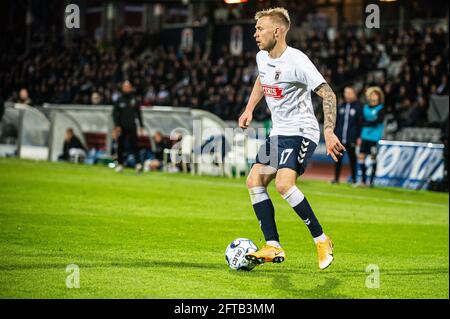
(287, 83)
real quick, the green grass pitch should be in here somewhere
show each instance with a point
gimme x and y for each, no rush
(161, 235)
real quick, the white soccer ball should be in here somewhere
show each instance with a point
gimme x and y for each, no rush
(236, 251)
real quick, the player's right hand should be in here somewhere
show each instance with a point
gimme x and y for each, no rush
(245, 119)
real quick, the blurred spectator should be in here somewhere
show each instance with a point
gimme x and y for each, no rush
(70, 72)
(162, 98)
(348, 130)
(150, 96)
(156, 162)
(24, 97)
(96, 98)
(72, 148)
(2, 108)
(372, 131)
(442, 89)
(417, 115)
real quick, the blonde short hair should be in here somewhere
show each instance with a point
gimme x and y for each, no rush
(278, 14)
(375, 89)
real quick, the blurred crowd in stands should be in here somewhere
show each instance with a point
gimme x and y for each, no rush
(409, 66)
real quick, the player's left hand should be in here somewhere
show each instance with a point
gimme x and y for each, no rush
(141, 131)
(334, 146)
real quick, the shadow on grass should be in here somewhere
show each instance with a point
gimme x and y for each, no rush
(259, 271)
(283, 280)
(325, 290)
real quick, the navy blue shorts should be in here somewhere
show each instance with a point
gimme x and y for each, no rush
(286, 152)
(368, 147)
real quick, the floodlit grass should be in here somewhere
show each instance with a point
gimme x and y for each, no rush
(161, 235)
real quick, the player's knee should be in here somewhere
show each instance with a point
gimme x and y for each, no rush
(253, 181)
(282, 187)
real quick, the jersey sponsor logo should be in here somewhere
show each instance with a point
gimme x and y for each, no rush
(273, 91)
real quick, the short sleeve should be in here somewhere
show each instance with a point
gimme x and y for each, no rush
(258, 60)
(306, 72)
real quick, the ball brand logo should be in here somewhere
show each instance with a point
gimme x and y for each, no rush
(236, 257)
(235, 243)
(273, 91)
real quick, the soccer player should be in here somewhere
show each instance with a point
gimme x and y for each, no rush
(286, 79)
(372, 131)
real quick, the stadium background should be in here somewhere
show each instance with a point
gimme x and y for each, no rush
(195, 60)
(175, 55)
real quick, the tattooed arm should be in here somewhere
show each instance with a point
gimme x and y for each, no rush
(334, 146)
(329, 105)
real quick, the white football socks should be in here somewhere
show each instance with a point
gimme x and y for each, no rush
(258, 194)
(273, 243)
(294, 196)
(320, 238)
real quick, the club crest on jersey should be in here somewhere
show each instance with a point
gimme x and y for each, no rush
(273, 91)
(277, 75)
